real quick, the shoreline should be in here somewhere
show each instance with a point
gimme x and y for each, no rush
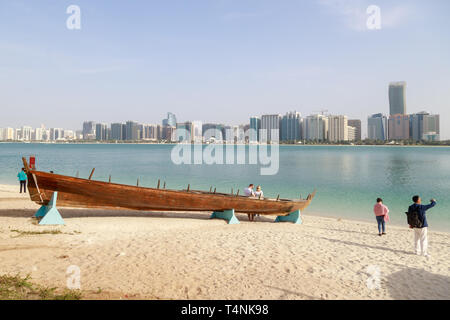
(307, 214)
(235, 144)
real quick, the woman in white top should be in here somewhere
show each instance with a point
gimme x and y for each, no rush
(259, 193)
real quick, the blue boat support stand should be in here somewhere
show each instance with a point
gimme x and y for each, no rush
(227, 215)
(294, 217)
(50, 214)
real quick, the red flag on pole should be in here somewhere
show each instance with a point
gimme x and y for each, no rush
(33, 162)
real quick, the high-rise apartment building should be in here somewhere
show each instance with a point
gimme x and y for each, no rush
(337, 128)
(132, 131)
(167, 133)
(8, 134)
(356, 123)
(26, 133)
(255, 126)
(431, 127)
(351, 133)
(89, 130)
(291, 127)
(399, 127)
(213, 131)
(101, 132)
(316, 128)
(117, 132)
(184, 132)
(270, 128)
(56, 134)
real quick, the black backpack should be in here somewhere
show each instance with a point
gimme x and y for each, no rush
(414, 218)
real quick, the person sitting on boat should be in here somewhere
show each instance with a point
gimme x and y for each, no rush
(259, 193)
(248, 192)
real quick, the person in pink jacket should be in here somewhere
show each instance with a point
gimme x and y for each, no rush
(382, 215)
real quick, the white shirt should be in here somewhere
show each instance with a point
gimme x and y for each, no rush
(249, 192)
(258, 193)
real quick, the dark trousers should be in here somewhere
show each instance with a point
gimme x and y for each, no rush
(23, 184)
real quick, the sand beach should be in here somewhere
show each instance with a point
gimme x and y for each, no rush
(135, 255)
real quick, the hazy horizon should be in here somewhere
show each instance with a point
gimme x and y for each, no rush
(219, 61)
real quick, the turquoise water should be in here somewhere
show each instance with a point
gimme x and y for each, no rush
(348, 179)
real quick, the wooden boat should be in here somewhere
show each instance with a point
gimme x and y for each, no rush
(87, 193)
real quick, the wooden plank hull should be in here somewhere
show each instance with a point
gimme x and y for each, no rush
(84, 193)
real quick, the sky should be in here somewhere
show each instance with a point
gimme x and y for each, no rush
(219, 60)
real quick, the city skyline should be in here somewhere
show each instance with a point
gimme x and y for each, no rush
(291, 127)
(216, 61)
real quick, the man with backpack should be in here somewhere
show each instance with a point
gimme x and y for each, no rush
(417, 220)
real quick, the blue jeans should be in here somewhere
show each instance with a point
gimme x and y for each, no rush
(381, 224)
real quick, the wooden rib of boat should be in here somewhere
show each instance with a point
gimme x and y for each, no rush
(87, 193)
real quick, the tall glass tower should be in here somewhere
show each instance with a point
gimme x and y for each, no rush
(255, 126)
(171, 120)
(397, 98)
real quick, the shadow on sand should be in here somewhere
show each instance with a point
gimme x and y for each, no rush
(365, 245)
(417, 284)
(67, 213)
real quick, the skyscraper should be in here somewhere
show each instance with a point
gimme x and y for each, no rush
(167, 133)
(316, 128)
(356, 123)
(26, 133)
(57, 134)
(399, 127)
(416, 125)
(89, 130)
(431, 129)
(377, 127)
(132, 131)
(270, 126)
(171, 120)
(255, 126)
(291, 127)
(351, 133)
(184, 132)
(101, 132)
(337, 128)
(397, 98)
(213, 131)
(6, 134)
(117, 131)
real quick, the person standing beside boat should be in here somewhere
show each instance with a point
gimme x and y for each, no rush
(23, 180)
(382, 215)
